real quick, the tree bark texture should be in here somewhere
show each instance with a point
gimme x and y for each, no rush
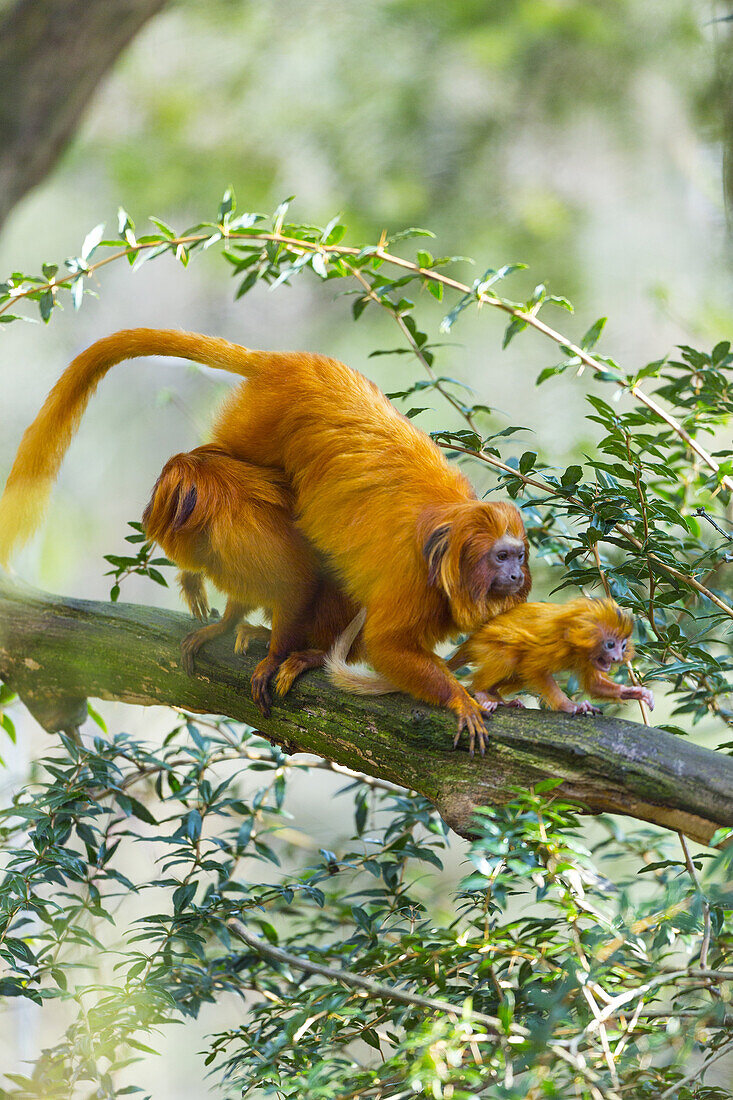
(56, 652)
(53, 54)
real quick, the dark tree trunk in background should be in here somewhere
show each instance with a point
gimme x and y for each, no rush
(53, 54)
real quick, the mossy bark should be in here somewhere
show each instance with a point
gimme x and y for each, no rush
(56, 652)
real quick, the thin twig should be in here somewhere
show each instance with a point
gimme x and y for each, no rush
(528, 317)
(691, 870)
(712, 522)
(698, 1073)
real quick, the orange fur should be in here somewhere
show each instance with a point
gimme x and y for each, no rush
(401, 529)
(525, 647)
(232, 522)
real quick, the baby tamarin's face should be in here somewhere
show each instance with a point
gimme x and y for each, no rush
(611, 651)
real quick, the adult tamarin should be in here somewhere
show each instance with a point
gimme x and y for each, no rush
(231, 522)
(523, 648)
(401, 528)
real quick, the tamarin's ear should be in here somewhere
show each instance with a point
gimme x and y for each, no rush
(435, 549)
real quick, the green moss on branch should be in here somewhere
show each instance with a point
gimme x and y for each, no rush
(57, 652)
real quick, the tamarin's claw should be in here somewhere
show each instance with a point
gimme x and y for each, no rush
(471, 718)
(246, 632)
(261, 677)
(642, 693)
(293, 665)
(189, 649)
(585, 708)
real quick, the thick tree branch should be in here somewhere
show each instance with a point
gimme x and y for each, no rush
(55, 652)
(53, 55)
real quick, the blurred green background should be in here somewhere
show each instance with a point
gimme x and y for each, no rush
(586, 138)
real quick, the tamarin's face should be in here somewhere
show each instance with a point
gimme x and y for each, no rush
(505, 566)
(611, 651)
(478, 556)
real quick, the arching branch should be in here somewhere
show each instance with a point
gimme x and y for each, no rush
(55, 652)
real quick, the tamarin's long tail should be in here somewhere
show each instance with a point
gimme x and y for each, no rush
(46, 441)
(357, 679)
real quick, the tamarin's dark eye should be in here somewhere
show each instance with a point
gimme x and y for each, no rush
(501, 556)
(610, 643)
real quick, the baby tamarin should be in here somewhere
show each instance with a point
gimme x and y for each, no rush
(522, 649)
(373, 494)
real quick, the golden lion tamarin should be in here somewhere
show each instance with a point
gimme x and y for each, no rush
(522, 649)
(401, 529)
(231, 522)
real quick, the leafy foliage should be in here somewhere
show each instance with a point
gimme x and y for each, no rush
(556, 973)
(143, 563)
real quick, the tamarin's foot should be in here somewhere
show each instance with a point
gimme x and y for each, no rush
(296, 663)
(512, 703)
(190, 646)
(246, 632)
(582, 708)
(261, 677)
(471, 718)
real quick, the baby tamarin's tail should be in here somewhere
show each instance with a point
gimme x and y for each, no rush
(47, 439)
(356, 679)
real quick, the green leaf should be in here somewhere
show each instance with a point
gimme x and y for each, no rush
(227, 205)
(8, 726)
(193, 825)
(334, 233)
(183, 895)
(96, 717)
(515, 326)
(592, 336)
(77, 292)
(546, 785)
(720, 351)
(318, 264)
(165, 229)
(92, 239)
(371, 1038)
(572, 476)
(413, 231)
(157, 577)
(46, 303)
(132, 806)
